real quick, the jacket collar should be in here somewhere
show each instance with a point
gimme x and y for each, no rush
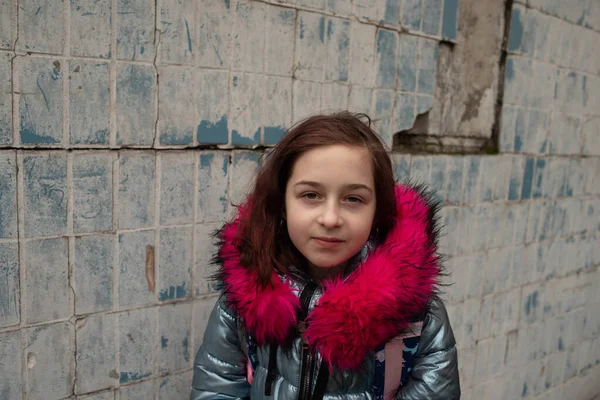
(374, 303)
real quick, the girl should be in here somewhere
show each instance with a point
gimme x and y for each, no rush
(329, 275)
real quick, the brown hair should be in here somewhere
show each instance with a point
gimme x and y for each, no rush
(264, 243)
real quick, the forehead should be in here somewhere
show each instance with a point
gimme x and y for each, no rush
(335, 164)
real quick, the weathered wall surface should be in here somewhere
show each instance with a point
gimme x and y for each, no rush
(131, 123)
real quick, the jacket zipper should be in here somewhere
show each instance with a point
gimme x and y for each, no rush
(308, 359)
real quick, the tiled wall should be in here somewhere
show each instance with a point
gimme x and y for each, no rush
(103, 102)
(526, 306)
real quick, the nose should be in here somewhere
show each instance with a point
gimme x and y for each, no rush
(330, 217)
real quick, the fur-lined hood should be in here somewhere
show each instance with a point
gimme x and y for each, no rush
(374, 303)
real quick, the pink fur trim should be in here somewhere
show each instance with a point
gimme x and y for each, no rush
(268, 312)
(374, 304)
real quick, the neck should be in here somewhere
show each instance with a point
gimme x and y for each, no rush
(319, 274)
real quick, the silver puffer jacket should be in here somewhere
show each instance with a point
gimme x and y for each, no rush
(342, 326)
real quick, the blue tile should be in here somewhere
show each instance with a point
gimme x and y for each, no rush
(384, 103)
(91, 28)
(405, 112)
(45, 192)
(507, 129)
(488, 167)
(520, 129)
(174, 324)
(575, 180)
(411, 14)
(471, 188)
(310, 48)
(454, 189)
(277, 108)
(407, 63)
(338, 49)
(47, 17)
(135, 29)
(424, 103)
(438, 176)
(213, 106)
(519, 73)
(7, 10)
(136, 85)
(213, 132)
(248, 34)
(273, 134)
(450, 19)
(246, 105)
(8, 195)
(89, 98)
(537, 129)
(516, 178)
(538, 180)
(58, 358)
(178, 32)
(175, 386)
(176, 188)
(516, 30)
(176, 138)
(92, 192)
(11, 349)
(528, 178)
(450, 222)
(339, 7)
(9, 285)
(402, 168)
(46, 280)
(280, 37)
(139, 391)
(214, 41)
(419, 169)
(178, 97)
(554, 181)
(5, 97)
(96, 355)
(41, 111)
(427, 66)
(136, 190)
(432, 16)
(175, 263)
(133, 283)
(212, 186)
(391, 14)
(136, 342)
(93, 274)
(530, 34)
(386, 55)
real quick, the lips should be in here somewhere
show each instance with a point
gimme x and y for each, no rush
(328, 242)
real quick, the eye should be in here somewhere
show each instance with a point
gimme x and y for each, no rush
(310, 196)
(354, 199)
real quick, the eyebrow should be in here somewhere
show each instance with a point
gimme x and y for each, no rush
(351, 186)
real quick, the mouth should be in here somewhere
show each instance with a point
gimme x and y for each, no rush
(328, 242)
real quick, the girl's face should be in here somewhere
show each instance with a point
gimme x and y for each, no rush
(330, 204)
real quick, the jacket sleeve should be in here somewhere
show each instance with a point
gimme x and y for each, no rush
(220, 364)
(435, 371)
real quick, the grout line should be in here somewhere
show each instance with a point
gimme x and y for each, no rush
(22, 272)
(193, 277)
(113, 75)
(116, 208)
(16, 98)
